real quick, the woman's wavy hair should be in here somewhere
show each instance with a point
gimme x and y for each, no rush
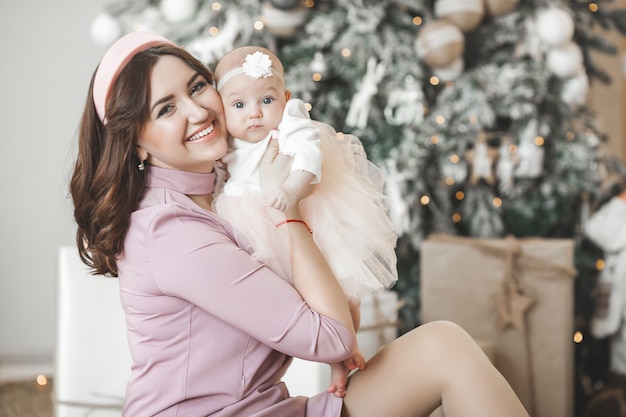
(106, 184)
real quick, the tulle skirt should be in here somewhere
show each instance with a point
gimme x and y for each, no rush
(346, 210)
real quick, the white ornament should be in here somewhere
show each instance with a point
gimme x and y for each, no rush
(555, 26)
(574, 92)
(565, 61)
(505, 167)
(530, 155)
(532, 44)
(361, 102)
(210, 49)
(404, 106)
(178, 10)
(105, 29)
(399, 211)
(450, 72)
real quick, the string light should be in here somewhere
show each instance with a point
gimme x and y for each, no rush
(345, 52)
(454, 158)
(578, 337)
(449, 181)
(316, 76)
(593, 7)
(216, 6)
(214, 31)
(434, 80)
(440, 120)
(539, 140)
(42, 380)
(460, 195)
(497, 202)
(309, 3)
(425, 200)
(600, 264)
(456, 217)
(258, 25)
(434, 139)
(417, 20)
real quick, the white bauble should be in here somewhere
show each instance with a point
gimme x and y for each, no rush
(283, 23)
(575, 90)
(105, 29)
(178, 10)
(465, 14)
(500, 7)
(565, 61)
(555, 26)
(439, 43)
(450, 72)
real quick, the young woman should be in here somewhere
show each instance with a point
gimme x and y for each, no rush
(211, 330)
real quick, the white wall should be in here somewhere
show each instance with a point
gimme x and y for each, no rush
(47, 58)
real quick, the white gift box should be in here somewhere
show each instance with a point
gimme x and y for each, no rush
(92, 358)
(379, 317)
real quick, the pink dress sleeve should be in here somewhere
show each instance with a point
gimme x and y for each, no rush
(222, 279)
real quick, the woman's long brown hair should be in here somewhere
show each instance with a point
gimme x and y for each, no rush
(106, 185)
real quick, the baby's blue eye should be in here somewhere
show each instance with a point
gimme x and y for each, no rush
(267, 100)
(238, 105)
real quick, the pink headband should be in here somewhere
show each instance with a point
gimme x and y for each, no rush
(116, 58)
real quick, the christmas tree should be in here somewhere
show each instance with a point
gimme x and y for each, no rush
(475, 109)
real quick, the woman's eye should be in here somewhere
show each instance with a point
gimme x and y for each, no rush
(198, 86)
(165, 110)
(267, 100)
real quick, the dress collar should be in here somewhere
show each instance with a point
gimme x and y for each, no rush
(189, 183)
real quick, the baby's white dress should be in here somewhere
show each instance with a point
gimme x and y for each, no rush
(346, 209)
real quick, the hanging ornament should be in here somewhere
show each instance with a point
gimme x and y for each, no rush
(210, 48)
(496, 8)
(105, 29)
(505, 166)
(575, 90)
(285, 4)
(399, 211)
(465, 14)
(555, 26)
(318, 64)
(481, 160)
(450, 72)
(530, 154)
(283, 23)
(531, 45)
(405, 105)
(439, 43)
(176, 11)
(565, 61)
(362, 100)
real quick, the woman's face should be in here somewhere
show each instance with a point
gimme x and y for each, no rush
(186, 128)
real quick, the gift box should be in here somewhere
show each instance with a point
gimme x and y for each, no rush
(518, 296)
(379, 326)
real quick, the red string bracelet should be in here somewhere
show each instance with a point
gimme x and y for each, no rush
(294, 221)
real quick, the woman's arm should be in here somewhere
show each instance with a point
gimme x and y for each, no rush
(311, 275)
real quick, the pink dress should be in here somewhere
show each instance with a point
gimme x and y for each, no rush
(211, 330)
(346, 209)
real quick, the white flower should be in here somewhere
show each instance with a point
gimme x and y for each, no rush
(258, 65)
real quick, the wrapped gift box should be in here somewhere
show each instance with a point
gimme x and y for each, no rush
(516, 295)
(379, 326)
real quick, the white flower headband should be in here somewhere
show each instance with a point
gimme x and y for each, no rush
(257, 65)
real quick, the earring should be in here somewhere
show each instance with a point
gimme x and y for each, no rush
(141, 166)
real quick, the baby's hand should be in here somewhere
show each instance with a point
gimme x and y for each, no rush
(282, 199)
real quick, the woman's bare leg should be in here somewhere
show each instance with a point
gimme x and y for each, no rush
(433, 364)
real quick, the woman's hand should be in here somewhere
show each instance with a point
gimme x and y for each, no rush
(274, 168)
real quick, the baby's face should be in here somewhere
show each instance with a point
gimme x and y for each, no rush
(253, 107)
